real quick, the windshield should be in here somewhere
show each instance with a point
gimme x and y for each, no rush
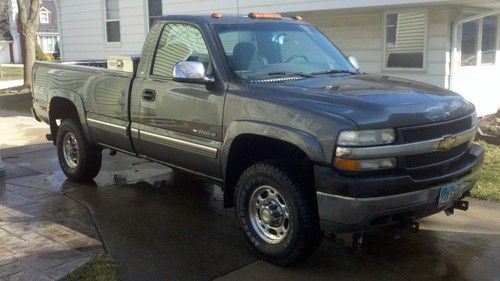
(258, 51)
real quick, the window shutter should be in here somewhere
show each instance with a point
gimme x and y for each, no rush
(410, 33)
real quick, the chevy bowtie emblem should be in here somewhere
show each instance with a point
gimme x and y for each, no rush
(446, 143)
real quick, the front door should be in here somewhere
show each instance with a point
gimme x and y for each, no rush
(180, 123)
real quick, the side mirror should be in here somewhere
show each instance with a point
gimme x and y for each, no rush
(354, 62)
(191, 72)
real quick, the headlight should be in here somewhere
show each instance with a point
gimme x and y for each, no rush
(365, 165)
(366, 137)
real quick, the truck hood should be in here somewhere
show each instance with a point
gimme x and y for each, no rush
(368, 100)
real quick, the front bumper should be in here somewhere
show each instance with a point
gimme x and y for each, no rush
(338, 212)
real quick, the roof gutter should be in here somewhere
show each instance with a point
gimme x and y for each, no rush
(455, 62)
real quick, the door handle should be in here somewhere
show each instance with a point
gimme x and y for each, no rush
(149, 95)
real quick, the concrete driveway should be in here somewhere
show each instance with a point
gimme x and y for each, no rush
(159, 224)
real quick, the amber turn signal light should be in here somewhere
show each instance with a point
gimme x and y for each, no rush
(347, 165)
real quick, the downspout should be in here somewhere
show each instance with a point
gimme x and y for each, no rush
(454, 42)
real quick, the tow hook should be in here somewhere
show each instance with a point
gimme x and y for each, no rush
(461, 205)
(357, 241)
(413, 227)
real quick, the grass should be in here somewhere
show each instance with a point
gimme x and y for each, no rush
(10, 73)
(488, 187)
(102, 267)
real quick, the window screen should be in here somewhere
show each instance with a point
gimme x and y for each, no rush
(489, 40)
(405, 40)
(469, 42)
(179, 42)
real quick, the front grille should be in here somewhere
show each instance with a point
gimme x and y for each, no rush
(438, 161)
(434, 131)
(420, 160)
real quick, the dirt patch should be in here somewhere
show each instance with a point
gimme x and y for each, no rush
(490, 124)
(15, 99)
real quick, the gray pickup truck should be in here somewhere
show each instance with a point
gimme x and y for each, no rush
(299, 140)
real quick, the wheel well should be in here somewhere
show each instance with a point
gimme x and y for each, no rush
(61, 108)
(249, 149)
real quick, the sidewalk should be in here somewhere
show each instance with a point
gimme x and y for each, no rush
(4, 84)
(44, 234)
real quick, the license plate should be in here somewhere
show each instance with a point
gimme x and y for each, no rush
(448, 194)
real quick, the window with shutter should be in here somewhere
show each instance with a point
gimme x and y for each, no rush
(405, 40)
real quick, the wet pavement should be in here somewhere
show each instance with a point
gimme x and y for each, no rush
(164, 225)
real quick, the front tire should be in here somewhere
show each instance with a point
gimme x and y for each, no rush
(277, 213)
(79, 160)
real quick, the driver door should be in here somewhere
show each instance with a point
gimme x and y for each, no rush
(180, 124)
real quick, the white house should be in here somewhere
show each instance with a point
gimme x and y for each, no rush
(449, 43)
(10, 37)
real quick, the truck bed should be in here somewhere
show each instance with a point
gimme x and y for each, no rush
(87, 83)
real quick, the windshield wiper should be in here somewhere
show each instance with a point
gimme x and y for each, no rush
(335, 71)
(302, 74)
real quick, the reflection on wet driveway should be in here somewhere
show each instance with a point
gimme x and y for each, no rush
(160, 224)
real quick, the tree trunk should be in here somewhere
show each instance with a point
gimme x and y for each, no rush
(29, 58)
(29, 20)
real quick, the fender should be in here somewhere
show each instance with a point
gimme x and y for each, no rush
(77, 101)
(308, 143)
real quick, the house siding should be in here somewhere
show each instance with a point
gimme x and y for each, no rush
(83, 29)
(360, 33)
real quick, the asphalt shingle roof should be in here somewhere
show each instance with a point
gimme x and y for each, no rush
(52, 25)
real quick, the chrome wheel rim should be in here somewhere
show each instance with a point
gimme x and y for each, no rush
(71, 151)
(269, 214)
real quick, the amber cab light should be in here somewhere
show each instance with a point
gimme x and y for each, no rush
(216, 15)
(271, 16)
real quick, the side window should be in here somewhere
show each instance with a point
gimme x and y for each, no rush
(179, 42)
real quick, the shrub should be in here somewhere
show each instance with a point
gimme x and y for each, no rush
(39, 55)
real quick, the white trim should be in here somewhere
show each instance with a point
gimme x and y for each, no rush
(106, 20)
(146, 18)
(384, 39)
(456, 42)
(146, 13)
(47, 19)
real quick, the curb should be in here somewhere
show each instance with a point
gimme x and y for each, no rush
(483, 136)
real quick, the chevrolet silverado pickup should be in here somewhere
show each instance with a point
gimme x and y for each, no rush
(299, 140)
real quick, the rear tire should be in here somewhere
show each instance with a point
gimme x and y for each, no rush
(79, 160)
(277, 214)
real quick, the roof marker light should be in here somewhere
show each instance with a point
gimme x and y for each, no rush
(271, 16)
(216, 15)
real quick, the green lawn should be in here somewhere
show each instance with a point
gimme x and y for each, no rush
(10, 73)
(488, 187)
(102, 267)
